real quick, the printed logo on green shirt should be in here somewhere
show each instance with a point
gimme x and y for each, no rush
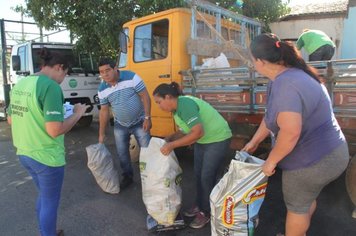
(73, 83)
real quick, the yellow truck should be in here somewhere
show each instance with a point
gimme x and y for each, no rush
(160, 46)
(170, 46)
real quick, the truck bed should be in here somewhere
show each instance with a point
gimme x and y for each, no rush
(239, 94)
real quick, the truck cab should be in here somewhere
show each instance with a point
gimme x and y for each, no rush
(161, 45)
(80, 84)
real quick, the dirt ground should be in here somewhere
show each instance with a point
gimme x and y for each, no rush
(87, 211)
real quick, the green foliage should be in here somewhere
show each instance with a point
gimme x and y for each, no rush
(96, 23)
(146, 7)
(266, 11)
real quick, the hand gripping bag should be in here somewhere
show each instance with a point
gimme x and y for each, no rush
(102, 167)
(237, 198)
(161, 182)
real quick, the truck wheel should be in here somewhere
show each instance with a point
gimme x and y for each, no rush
(351, 179)
(85, 121)
(134, 149)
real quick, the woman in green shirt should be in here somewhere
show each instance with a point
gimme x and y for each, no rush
(38, 127)
(199, 124)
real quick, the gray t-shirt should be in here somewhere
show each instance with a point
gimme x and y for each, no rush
(295, 91)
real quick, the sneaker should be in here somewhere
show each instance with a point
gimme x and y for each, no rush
(354, 214)
(126, 181)
(199, 221)
(191, 211)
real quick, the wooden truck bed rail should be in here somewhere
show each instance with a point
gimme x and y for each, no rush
(228, 90)
(239, 94)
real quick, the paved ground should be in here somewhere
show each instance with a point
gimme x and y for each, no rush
(87, 211)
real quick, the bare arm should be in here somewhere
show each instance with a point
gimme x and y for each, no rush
(178, 134)
(55, 128)
(290, 124)
(147, 107)
(104, 116)
(195, 133)
(9, 121)
(261, 133)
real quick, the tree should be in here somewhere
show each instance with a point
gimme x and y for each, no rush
(96, 23)
(266, 11)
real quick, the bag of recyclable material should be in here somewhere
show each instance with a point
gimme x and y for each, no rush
(217, 62)
(237, 198)
(102, 167)
(161, 182)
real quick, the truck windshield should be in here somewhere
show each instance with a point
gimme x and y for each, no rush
(68, 54)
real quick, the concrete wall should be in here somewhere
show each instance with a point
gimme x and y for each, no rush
(293, 28)
(348, 48)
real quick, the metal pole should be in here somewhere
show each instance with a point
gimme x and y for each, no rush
(3, 51)
(41, 35)
(193, 32)
(5, 85)
(22, 29)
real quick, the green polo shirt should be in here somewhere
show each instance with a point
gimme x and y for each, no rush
(192, 111)
(311, 40)
(34, 101)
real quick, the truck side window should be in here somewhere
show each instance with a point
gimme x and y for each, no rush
(36, 63)
(151, 41)
(22, 54)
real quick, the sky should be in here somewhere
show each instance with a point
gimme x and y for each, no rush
(7, 13)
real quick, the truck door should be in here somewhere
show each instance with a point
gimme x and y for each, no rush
(152, 60)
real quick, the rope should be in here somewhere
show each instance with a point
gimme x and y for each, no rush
(229, 44)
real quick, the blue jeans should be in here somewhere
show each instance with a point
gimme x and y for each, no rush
(208, 158)
(122, 140)
(49, 182)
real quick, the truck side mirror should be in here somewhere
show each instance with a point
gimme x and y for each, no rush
(16, 63)
(123, 42)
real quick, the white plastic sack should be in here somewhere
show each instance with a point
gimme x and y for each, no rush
(161, 182)
(102, 167)
(237, 198)
(217, 62)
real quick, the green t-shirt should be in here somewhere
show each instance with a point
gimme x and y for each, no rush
(311, 40)
(192, 111)
(34, 101)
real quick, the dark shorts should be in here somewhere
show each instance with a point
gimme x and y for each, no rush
(301, 187)
(324, 53)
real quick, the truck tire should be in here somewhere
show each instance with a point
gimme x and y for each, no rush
(85, 121)
(134, 149)
(351, 179)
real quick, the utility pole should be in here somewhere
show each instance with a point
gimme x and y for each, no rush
(22, 28)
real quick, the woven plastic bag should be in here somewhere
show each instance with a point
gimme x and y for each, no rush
(161, 182)
(237, 198)
(102, 167)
